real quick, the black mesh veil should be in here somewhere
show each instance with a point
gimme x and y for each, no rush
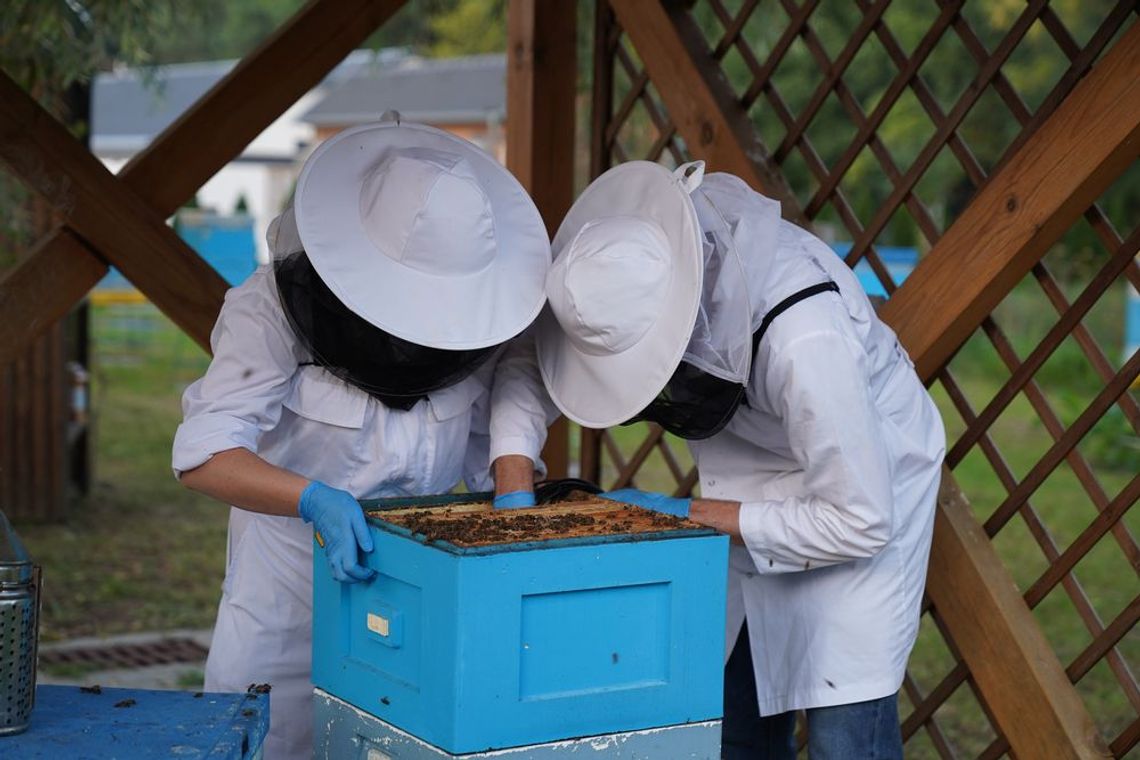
(396, 371)
(709, 384)
(694, 404)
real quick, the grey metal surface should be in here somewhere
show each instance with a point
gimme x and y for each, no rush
(343, 731)
(19, 613)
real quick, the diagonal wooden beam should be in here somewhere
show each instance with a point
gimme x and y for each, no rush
(1022, 210)
(215, 130)
(1025, 687)
(192, 149)
(542, 78)
(699, 99)
(54, 271)
(106, 214)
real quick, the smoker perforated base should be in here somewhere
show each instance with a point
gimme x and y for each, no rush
(343, 731)
(17, 662)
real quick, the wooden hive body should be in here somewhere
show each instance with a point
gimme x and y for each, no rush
(500, 629)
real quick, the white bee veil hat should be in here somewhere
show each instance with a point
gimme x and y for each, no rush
(421, 233)
(624, 292)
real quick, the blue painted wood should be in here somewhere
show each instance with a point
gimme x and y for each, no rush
(225, 242)
(898, 260)
(345, 731)
(122, 724)
(529, 644)
(1131, 322)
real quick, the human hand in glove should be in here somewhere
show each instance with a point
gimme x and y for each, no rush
(339, 522)
(514, 500)
(658, 502)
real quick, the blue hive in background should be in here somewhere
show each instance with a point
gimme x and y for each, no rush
(225, 242)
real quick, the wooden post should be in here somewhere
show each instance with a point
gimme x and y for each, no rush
(601, 114)
(541, 89)
(188, 152)
(602, 109)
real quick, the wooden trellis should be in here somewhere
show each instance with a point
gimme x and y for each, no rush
(664, 91)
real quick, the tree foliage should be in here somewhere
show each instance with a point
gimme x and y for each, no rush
(51, 46)
(227, 29)
(469, 26)
(47, 45)
(989, 127)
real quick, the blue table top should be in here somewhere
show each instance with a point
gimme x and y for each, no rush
(138, 723)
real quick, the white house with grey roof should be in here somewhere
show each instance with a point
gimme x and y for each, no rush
(466, 96)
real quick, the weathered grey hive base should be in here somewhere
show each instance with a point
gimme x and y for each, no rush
(342, 731)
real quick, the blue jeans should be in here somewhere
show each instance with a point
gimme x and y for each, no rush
(860, 731)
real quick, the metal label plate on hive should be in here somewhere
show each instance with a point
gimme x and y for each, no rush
(387, 625)
(387, 634)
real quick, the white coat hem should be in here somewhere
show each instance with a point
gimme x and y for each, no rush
(829, 697)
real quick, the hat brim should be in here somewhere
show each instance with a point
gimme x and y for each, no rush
(451, 312)
(599, 391)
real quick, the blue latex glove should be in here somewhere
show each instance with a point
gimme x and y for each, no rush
(514, 500)
(341, 529)
(658, 502)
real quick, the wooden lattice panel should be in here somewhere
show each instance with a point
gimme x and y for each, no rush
(880, 121)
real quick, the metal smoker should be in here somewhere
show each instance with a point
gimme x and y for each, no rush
(19, 630)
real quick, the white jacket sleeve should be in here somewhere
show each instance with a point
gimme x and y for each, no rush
(818, 384)
(521, 410)
(239, 397)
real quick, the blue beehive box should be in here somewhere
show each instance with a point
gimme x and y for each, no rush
(484, 630)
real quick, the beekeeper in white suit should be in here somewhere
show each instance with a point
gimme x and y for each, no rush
(366, 361)
(686, 300)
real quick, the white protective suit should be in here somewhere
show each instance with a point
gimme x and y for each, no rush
(257, 395)
(837, 485)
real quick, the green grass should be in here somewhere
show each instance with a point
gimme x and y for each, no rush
(191, 679)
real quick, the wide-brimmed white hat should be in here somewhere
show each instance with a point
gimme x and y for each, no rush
(624, 292)
(422, 234)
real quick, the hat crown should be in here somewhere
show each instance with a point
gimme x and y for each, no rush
(426, 209)
(610, 286)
